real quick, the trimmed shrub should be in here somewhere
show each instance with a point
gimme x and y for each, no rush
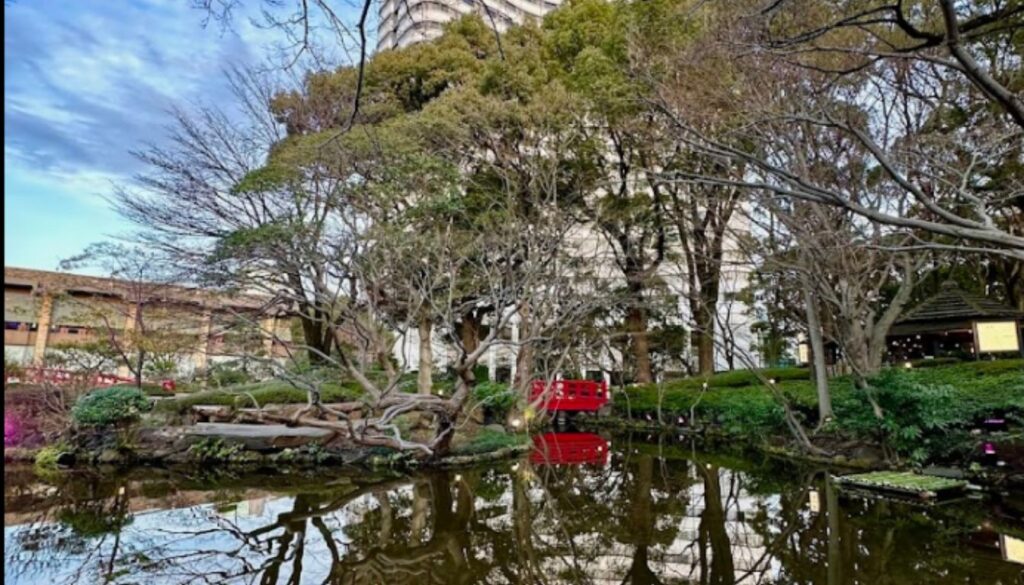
(109, 406)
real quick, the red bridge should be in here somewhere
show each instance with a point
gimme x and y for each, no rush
(569, 449)
(570, 395)
(60, 377)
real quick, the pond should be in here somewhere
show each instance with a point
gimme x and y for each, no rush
(583, 509)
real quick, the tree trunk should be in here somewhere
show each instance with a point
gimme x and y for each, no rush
(817, 344)
(705, 335)
(636, 325)
(704, 306)
(643, 520)
(524, 356)
(317, 337)
(469, 332)
(713, 537)
(424, 378)
(138, 330)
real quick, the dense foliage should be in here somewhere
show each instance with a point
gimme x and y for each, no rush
(110, 406)
(497, 399)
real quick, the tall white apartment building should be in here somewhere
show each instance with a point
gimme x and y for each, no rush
(405, 22)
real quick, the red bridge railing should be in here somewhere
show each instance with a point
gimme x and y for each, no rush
(569, 449)
(59, 377)
(570, 395)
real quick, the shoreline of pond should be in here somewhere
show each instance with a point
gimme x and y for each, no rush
(853, 456)
(115, 451)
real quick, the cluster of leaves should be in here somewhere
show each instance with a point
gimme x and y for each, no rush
(497, 399)
(919, 420)
(213, 450)
(110, 406)
(46, 458)
(94, 519)
(906, 481)
(312, 452)
(487, 441)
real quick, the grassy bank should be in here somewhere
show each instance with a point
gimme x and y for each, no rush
(928, 412)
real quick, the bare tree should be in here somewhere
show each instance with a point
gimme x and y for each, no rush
(141, 319)
(210, 207)
(894, 98)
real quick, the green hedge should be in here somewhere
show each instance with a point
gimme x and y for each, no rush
(270, 392)
(734, 400)
(109, 406)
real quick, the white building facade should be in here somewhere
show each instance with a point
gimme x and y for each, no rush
(405, 22)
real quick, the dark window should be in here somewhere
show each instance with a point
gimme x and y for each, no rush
(12, 325)
(620, 379)
(503, 374)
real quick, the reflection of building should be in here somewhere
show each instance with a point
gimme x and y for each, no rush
(45, 311)
(405, 22)
(955, 323)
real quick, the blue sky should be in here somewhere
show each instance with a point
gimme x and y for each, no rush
(85, 82)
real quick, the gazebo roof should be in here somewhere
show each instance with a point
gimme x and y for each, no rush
(955, 304)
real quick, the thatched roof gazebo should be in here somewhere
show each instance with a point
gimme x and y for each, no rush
(956, 323)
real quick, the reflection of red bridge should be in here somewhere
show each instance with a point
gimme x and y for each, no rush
(61, 377)
(569, 449)
(570, 395)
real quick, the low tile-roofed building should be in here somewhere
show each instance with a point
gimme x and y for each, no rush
(954, 303)
(954, 323)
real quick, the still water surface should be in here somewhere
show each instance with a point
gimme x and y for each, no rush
(583, 511)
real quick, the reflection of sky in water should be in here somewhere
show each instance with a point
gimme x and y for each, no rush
(163, 533)
(207, 544)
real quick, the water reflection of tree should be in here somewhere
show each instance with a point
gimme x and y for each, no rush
(712, 537)
(85, 530)
(637, 502)
(390, 549)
